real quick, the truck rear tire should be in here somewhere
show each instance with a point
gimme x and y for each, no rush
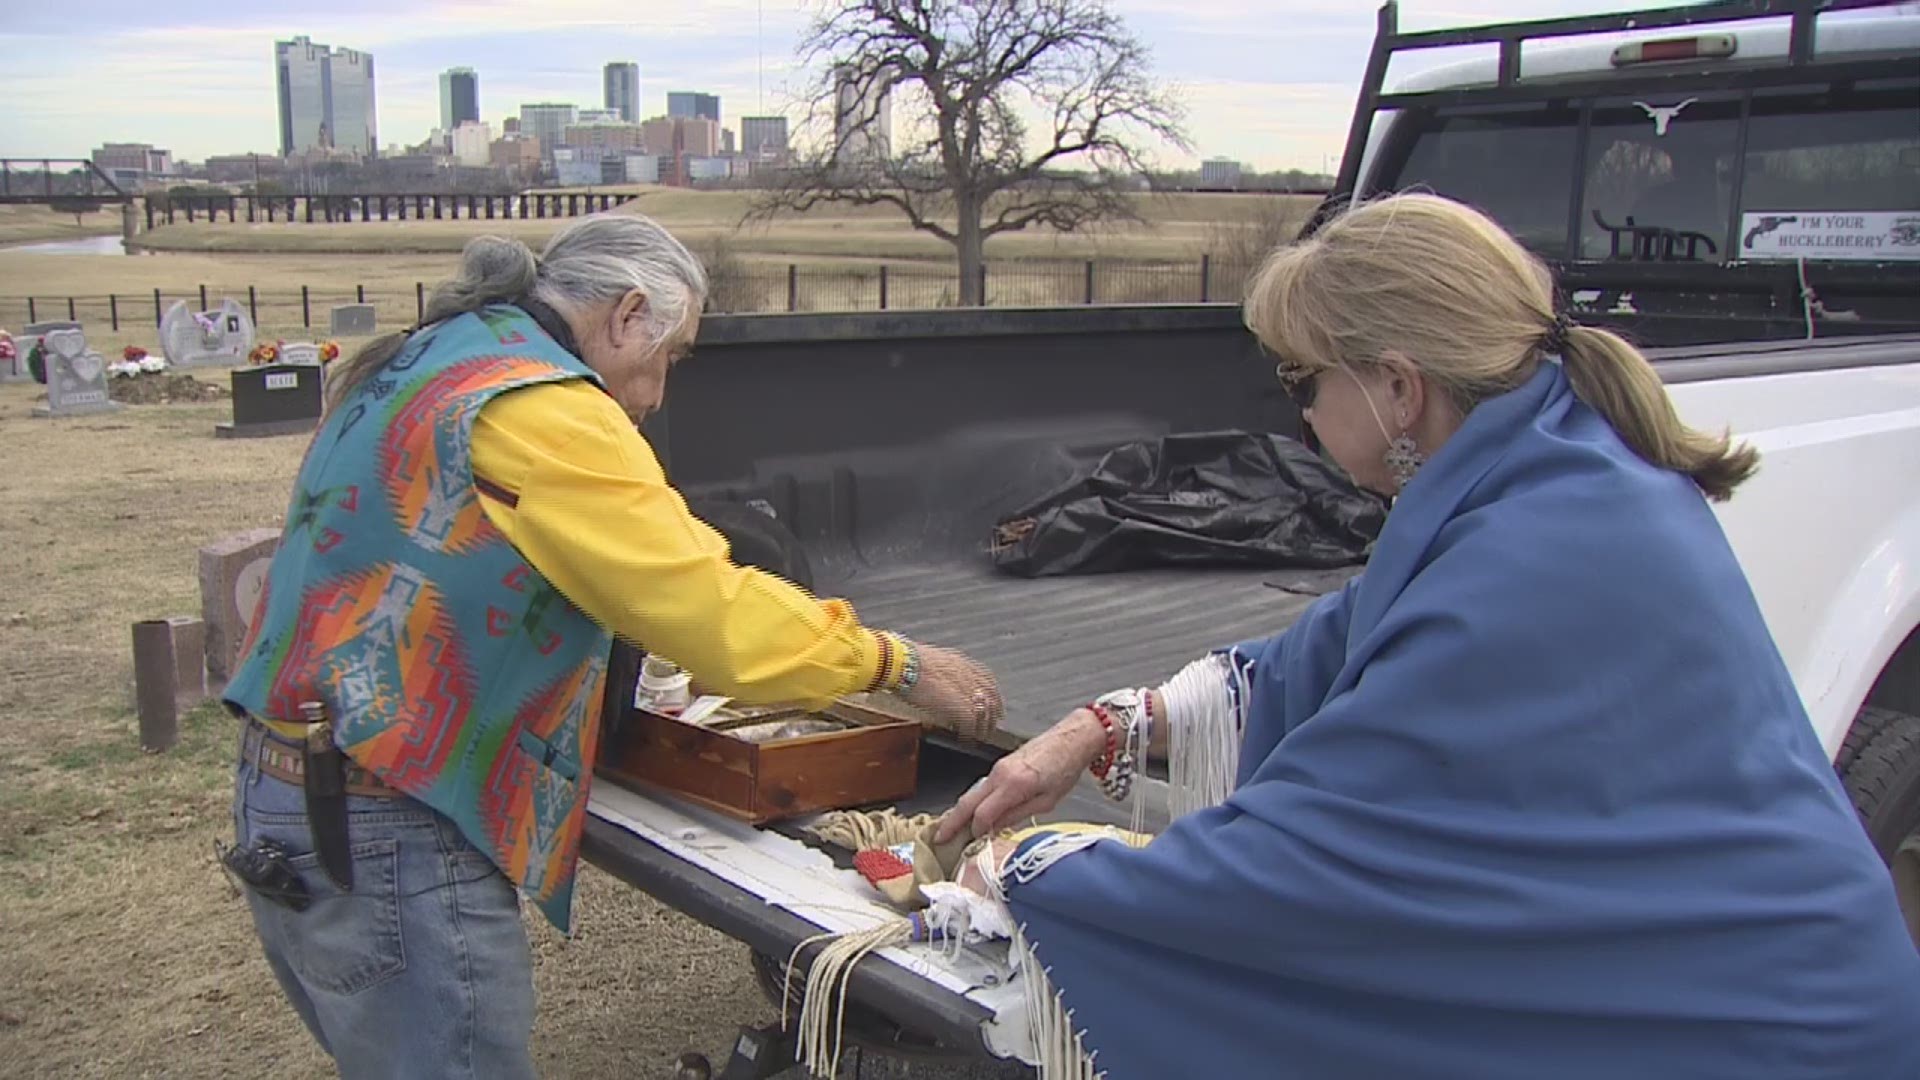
(1880, 765)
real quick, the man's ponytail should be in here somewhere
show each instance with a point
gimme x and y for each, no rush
(492, 269)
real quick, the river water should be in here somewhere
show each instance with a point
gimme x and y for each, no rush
(88, 245)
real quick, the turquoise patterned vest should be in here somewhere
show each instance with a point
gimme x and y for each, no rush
(452, 669)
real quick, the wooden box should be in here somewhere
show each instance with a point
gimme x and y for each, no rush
(876, 760)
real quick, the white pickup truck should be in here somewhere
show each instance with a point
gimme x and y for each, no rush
(1741, 193)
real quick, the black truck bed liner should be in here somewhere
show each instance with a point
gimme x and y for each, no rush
(1055, 643)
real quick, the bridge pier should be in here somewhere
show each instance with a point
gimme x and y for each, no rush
(129, 223)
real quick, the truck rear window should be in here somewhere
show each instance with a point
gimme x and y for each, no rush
(1660, 175)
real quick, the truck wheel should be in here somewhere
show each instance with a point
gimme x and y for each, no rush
(1880, 765)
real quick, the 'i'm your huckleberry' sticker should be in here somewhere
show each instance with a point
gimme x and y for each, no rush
(1862, 235)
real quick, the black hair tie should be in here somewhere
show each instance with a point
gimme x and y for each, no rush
(1555, 339)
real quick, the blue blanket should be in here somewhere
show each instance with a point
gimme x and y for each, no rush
(1533, 798)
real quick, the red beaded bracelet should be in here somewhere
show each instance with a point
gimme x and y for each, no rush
(1105, 761)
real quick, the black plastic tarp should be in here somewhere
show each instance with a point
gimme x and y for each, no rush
(1229, 498)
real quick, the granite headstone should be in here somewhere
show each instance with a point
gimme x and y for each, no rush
(353, 320)
(17, 369)
(218, 338)
(233, 570)
(76, 377)
(274, 399)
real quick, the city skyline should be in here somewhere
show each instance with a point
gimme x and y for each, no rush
(1267, 82)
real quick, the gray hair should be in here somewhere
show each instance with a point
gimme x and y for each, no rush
(592, 261)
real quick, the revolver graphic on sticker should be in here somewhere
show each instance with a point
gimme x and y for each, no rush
(1768, 223)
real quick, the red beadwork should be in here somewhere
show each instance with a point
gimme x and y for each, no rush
(1102, 764)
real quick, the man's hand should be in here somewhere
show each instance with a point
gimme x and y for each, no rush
(1030, 781)
(957, 691)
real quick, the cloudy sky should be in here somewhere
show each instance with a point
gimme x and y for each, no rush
(1267, 81)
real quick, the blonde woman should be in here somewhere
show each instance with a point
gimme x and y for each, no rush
(1532, 797)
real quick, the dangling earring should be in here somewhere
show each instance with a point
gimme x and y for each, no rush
(1404, 458)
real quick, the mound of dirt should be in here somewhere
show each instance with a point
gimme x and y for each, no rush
(162, 388)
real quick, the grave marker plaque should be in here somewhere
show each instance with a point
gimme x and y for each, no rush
(232, 572)
(300, 352)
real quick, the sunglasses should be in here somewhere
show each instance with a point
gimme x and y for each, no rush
(1301, 384)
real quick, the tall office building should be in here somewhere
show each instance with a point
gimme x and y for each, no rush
(1220, 173)
(620, 89)
(763, 135)
(685, 104)
(862, 124)
(326, 98)
(547, 121)
(459, 98)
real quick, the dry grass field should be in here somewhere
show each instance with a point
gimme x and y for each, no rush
(124, 952)
(836, 254)
(1174, 226)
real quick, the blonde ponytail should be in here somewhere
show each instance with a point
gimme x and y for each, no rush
(1443, 286)
(1611, 376)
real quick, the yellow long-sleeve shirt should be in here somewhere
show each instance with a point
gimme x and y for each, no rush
(579, 492)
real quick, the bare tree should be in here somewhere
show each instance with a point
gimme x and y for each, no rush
(1026, 113)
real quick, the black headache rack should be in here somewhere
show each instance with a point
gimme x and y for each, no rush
(1653, 283)
(1800, 65)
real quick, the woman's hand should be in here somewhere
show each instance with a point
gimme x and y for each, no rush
(957, 691)
(970, 875)
(1032, 780)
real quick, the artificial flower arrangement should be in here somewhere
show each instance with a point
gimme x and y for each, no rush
(135, 360)
(271, 352)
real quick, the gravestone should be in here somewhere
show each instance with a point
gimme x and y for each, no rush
(16, 370)
(76, 377)
(218, 338)
(299, 352)
(233, 570)
(353, 320)
(274, 399)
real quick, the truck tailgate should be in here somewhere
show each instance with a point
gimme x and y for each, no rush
(1053, 643)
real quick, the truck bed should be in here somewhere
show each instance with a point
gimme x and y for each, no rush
(1055, 643)
(889, 444)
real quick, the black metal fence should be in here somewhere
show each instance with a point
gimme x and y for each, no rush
(305, 310)
(164, 209)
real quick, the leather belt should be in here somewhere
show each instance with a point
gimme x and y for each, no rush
(284, 759)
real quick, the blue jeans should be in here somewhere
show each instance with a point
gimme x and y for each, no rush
(423, 970)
